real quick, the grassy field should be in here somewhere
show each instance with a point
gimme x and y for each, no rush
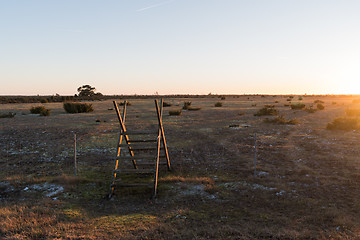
(306, 185)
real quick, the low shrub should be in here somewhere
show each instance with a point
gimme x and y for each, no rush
(175, 113)
(297, 106)
(218, 104)
(267, 110)
(281, 120)
(320, 106)
(78, 107)
(40, 110)
(8, 115)
(310, 109)
(166, 104)
(344, 123)
(318, 101)
(289, 99)
(186, 105)
(300, 98)
(193, 109)
(223, 98)
(353, 112)
(127, 103)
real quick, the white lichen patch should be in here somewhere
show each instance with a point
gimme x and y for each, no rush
(186, 189)
(48, 189)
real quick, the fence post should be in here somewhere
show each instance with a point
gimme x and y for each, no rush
(75, 162)
(255, 156)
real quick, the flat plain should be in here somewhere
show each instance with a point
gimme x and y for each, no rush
(306, 184)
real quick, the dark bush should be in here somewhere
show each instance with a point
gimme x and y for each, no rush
(8, 115)
(78, 107)
(281, 120)
(127, 103)
(310, 109)
(166, 104)
(352, 112)
(318, 101)
(218, 104)
(175, 113)
(267, 110)
(40, 110)
(297, 106)
(344, 123)
(194, 109)
(186, 105)
(320, 106)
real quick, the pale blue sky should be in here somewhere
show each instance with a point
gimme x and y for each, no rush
(180, 46)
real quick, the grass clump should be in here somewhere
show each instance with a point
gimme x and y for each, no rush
(175, 113)
(310, 109)
(218, 104)
(187, 106)
(281, 120)
(320, 106)
(166, 104)
(193, 108)
(78, 107)
(297, 106)
(267, 110)
(344, 123)
(353, 112)
(8, 115)
(40, 110)
(123, 103)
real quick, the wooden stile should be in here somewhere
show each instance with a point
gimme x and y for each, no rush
(141, 152)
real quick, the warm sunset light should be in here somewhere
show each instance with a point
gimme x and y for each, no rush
(180, 119)
(142, 47)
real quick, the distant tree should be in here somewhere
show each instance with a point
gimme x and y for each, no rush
(86, 91)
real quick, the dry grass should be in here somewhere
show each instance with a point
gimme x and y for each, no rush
(281, 120)
(307, 185)
(344, 123)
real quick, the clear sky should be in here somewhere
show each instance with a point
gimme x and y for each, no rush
(180, 46)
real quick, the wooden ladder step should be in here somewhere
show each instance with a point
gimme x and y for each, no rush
(133, 185)
(143, 141)
(140, 171)
(139, 157)
(145, 132)
(137, 145)
(140, 163)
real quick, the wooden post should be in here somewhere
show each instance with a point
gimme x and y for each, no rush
(123, 129)
(75, 162)
(255, 150)
(159, 114)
